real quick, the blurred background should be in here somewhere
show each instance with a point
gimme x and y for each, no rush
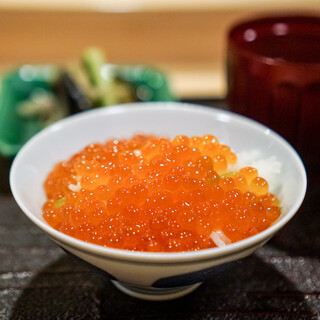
(184, 38)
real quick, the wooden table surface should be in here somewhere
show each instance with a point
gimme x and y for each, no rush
(280, 281)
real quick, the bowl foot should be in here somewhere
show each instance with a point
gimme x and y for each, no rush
(154, 294)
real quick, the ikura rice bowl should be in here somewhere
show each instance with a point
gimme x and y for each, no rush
(150, 193)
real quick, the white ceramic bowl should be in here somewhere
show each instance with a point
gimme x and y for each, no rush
(155, 276)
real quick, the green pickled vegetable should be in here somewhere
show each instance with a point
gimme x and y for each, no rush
(229, 174)
(60, 202)
(92, 60)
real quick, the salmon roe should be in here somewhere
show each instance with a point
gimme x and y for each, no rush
(154, 194)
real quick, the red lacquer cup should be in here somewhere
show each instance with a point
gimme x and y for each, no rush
(274, 76)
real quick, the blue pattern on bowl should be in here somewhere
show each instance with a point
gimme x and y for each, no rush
(193, 277)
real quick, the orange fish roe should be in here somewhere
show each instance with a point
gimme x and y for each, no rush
(154, 194)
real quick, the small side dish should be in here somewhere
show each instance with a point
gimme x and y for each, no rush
(150, 193)
(35, 96)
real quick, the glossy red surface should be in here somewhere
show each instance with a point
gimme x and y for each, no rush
(274, 76)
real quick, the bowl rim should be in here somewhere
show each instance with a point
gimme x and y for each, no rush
(157, 257)
(268, 21)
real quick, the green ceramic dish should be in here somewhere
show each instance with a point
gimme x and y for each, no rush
(30, 99)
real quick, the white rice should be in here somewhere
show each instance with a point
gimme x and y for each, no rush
(219, 238)
(75, 187)
(268, 168)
